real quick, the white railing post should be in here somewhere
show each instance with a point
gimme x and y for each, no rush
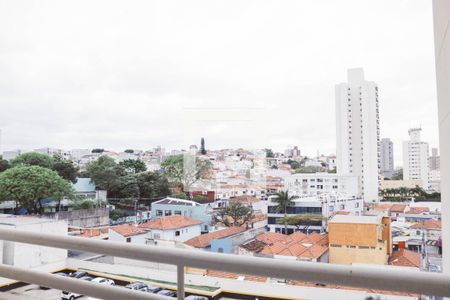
(180, 282)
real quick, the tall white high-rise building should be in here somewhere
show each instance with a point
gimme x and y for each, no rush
(387, 158)
(358, 132)
(415, 158)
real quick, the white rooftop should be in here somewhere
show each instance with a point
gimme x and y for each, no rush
(15, 220)
(356, 219)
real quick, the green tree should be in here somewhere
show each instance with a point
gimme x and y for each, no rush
(29, 185)
(180, 195)
(283, 201)
(105, 173)
(186, 170)
(299, 220)
(202, 147)
(133, 166)
(152, 185)
(293, 163)
(310, 169)
(117, 214)
(127, 187)
(4, 164)
(65, 168)
(235, 214)
(33, 159)
(269, 153)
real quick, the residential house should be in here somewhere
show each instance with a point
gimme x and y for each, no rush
(216, 241)
(180, 207)
(128, 233)
(172, 228)
(405, 258)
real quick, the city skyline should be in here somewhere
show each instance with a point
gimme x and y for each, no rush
(109, 98)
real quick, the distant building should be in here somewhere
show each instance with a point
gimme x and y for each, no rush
(324, 206)
(435, 160)
(387, 158)
(360, 239)
(187, 208)
(311, 184)
(10, 155)
(358, 132)
(415, 158)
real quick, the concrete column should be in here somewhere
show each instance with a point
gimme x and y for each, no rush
(441, 12)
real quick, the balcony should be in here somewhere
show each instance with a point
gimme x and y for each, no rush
(352, 276)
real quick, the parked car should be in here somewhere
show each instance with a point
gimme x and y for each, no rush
(78, 274)
(138, 286)
(196, 297)
(102, 280)
(61, 274)
(153, 289)
(167, 293)
(71, 296)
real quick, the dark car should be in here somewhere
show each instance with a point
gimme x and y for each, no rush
(136, 286)
(153, 289)
(78, 274)
(167, 293)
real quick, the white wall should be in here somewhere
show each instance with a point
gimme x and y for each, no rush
(441, 10)
(29, 256)
(186, 233)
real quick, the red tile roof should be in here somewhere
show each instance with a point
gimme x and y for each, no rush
(399, 208)
(245, 199)
(170, 222)
(427, 224)
(418, 210)
(405, 258)
(127, 230)
(310, 246)
(205, 240)
(271, 237)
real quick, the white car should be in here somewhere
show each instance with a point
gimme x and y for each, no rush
(103, 281)
(71, 296)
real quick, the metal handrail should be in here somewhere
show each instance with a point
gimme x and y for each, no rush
(369, 277)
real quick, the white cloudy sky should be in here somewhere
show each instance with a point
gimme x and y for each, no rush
(121, 74)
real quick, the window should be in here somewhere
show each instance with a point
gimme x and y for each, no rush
(128, 239)
(177, 233)
(177, 212)
(159, 213)
(220, 250)
(167, 213)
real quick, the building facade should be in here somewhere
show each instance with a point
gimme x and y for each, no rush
(358, 132)
(415, 158)
(311, 184)
(363, 239)
(387, 158)
(187, 208)
(323, 206)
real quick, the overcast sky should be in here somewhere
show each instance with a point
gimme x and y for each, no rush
(138, 74)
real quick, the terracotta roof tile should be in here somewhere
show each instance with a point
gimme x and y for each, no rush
(271, 237)
(245, 199)
(427, 224)
(399, 208)
(128, 230)
(170, 222)
(418, 210)
(204, 240)
(405, 258)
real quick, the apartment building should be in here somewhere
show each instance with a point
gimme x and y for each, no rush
(415, 158)
(358, 132)
(311, 184)
(387, 158)
(360, 239)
